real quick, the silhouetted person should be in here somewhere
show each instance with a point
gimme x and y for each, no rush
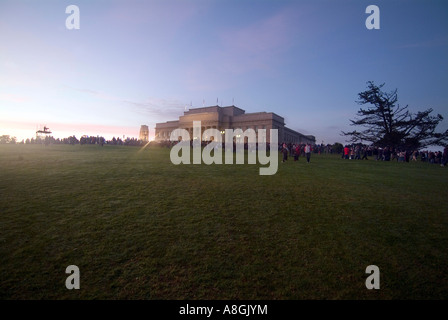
(285, 152)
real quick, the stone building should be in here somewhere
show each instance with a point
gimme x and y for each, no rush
(231, 117)
(144, 133)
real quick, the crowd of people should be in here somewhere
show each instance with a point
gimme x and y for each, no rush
(361, 152)
(355, 152)
(296, 150)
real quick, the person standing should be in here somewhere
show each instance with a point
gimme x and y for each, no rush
(364, 155)
(308, 152)
(285, 152)
(346, 152)
(444, 157)
(297, 152)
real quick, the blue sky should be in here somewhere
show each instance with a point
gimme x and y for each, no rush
(142, 62)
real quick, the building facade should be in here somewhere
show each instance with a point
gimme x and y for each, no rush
(144, 133)
(231, 117)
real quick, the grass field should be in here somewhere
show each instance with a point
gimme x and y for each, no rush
(139, 227)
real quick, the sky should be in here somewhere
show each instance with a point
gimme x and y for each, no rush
(134, 63)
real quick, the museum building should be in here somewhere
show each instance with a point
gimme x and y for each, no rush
(231, 117)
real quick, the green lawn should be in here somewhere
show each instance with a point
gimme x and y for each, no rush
(139, 227)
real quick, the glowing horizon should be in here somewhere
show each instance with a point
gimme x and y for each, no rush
(23, 131)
